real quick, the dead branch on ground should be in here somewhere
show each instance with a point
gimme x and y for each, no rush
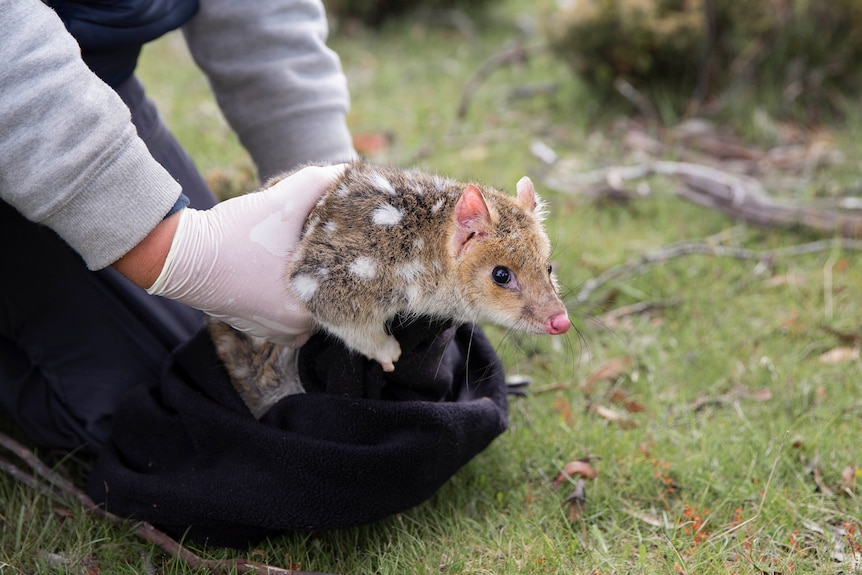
(514, 54)
(639, 264)
(740, 197)
(53, 485)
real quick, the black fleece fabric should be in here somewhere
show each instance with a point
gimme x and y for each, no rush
(359, 446)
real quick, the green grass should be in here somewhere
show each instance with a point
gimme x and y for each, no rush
(740, 469)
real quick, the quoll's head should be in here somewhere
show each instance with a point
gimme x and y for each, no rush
(503, 260)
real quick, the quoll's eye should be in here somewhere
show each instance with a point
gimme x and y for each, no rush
(501, 275)
(550, 269)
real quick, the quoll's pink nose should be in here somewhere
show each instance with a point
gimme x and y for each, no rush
(558, 324)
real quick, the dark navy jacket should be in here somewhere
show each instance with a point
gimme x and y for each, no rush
(112, 32)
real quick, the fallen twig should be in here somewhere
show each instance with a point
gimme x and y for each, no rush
(145, 531)
(681, 249)
(763, 394)
(514, 54)
(740, 197)
(648, 518)
(814, 470)
(613, 317)
(641, 102)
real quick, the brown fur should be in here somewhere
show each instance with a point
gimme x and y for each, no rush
(428, 259)
(383, 241)
(261, 371)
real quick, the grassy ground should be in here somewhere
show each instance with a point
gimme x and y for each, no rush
(730, 424)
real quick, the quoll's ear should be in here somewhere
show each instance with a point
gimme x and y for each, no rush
(472, 218)
(526, 194)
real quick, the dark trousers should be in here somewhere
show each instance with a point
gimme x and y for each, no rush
(73, 342)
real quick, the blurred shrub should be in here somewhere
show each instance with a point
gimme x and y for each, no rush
(374, 12)
(805, 50)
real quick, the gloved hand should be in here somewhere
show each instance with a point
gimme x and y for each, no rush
(231, 261)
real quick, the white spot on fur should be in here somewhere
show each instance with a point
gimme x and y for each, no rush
(410, 271)
(240, 371)
(440, 184)
(418, 244)
(343, 190)
(330, 227)
(414, 183)
(322, 272)
(411, 292)
(380, 182)
(437, 205)
(305, 287)
(386, 215)
(364, 267)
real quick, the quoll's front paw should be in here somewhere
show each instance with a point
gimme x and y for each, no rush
(387, 354)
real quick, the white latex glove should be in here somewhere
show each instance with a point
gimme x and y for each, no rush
(231, 261)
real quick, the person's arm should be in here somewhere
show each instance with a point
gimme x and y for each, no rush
(280, 87)
(144, 262)
(70, 157)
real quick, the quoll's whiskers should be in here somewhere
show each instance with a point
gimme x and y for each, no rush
(385, 241)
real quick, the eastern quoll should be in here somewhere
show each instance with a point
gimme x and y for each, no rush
(383, 241)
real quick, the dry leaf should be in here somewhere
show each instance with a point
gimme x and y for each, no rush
(543, 151)
(762, 394)
(847, 483)
(611, 415)
(562, 407)
(621, 398)
(818, 477)
(573, 468)
(786, 280)
(820, 394)
(475, 153)
(840, 354)
(371, 143)
(610, 371)
(648, 518)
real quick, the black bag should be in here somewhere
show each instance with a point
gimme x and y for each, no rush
(359, 446)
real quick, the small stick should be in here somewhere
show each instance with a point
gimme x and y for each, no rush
(641, 102)
(739, 197)
(144, 530)
(510, 55)
(17, 473)
(703, 248)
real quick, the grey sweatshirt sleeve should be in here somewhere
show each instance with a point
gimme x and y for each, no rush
(70, 157)
(279, 86)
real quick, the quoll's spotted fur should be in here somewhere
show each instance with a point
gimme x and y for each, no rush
(261, 371)
(385, 240)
